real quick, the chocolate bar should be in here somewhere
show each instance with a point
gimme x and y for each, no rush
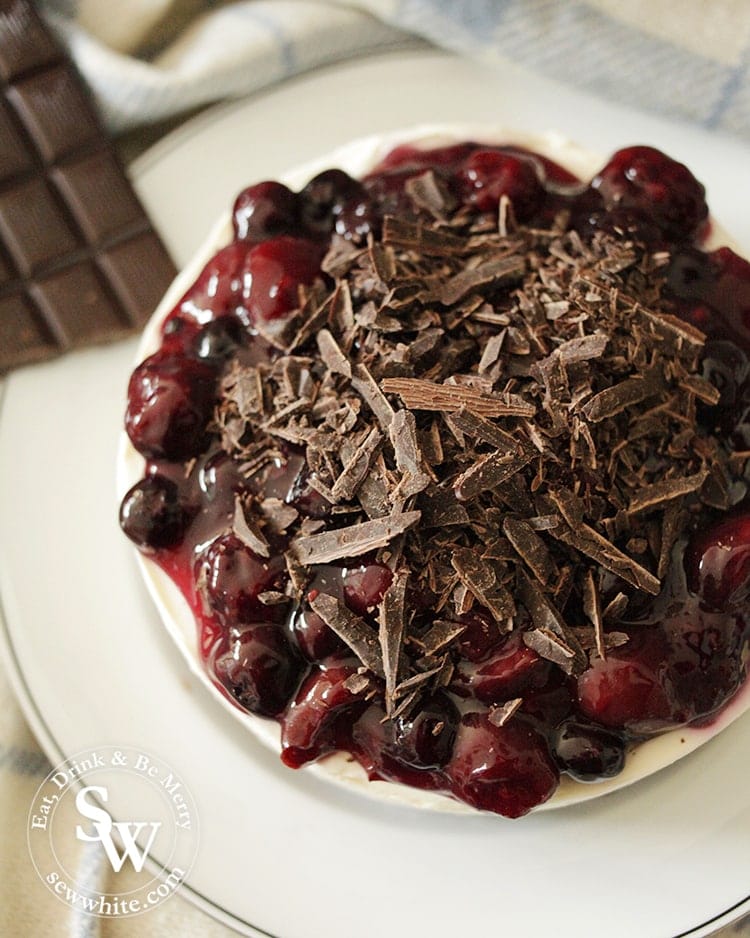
(80, 262)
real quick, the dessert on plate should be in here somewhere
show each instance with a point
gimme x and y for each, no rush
(445, 450)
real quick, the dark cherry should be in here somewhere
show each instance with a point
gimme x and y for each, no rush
(645, 180)
(590, 216)
(372, 740)
(712, 291)
(587, 752)
(152, 514)
(219, 338)
(170, 400)
(261, 669)
(233, 576)
(387, 191)
(480, 636)
(726, 366)
(506, 769)
(357, 219)
(510, 671)
(488, 174)
(307, 731)
(365, 586)
(219, 478)
(264, 211)
(216, 292)
(324, 197)
(314, 638)
(272, 274)
(708, 659)
(628, 689)
(425, 739)
(717, 563)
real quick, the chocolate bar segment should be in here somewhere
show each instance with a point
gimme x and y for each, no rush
(80, 262)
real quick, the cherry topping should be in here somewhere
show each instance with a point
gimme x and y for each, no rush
(717, 563)
(152, 514)
(170, 400)
(506, 769)
(587, 752)
(646, 181)
(260, 670)
(488, 174)
(264, 211)
(233, 576)
(273, 272)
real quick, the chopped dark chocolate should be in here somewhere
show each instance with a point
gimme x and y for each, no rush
(504, 417)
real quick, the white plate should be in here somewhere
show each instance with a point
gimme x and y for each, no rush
(283, 853)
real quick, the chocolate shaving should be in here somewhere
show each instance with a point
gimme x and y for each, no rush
(366, 386)
(417, 394)
(550, 637)
(492, 271)
(547, 644)
(598, 548)
(530, 548)
(247, 531)
(428, 192)
(489, 472)
(499, 715)
(277, 515)
(352, 541)
(392, 619)
(272, 598)
(357, 684)
(352, 630)
(480, 578)
(441, 634)
(357, 467)
(409, 460)
(332, 355)
(592, 609)
(614, 400)
(658, 493)
(478, 427)
(417, 680)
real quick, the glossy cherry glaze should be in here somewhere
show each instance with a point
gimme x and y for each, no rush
(680, 664)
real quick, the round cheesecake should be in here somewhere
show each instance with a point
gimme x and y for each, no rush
(498, 662)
